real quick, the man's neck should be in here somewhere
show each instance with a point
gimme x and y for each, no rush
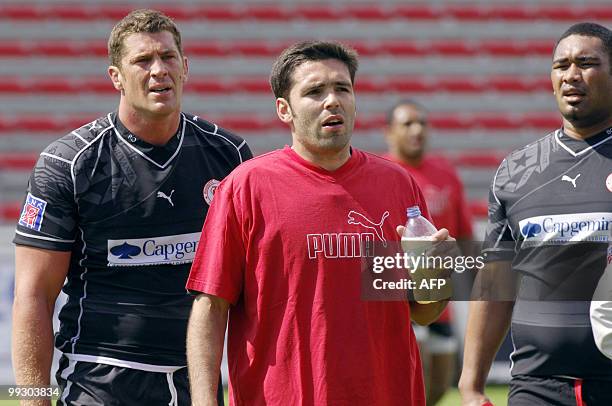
(328, 161)
(410, 161)
(582, 133)
(154, 130)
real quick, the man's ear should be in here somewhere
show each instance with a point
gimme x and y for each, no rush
(115, 76)
(185, 69)
(283, 110)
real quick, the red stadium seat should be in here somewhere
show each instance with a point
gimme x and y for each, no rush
(316, 13)
(268, 13)
(417, 12)
(18, 161)
(10, 211)
(372, 12)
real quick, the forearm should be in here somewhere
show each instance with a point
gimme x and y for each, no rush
(32, 349)
(205, 336)
(488, 324)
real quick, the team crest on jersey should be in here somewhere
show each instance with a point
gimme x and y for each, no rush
(209, 190)
(32, 213)
(609, 182)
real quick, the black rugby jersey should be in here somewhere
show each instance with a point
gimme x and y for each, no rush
(131, 214)
(552, 200)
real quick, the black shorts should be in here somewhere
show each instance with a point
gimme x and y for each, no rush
(535, 390)
(92, 384)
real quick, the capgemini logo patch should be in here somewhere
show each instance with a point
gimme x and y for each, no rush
(125, 251)
(167, 249)
(562, 228)
(531, 230)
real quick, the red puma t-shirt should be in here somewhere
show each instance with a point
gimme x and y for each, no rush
(280, 244)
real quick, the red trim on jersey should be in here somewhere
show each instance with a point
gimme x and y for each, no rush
(578, 392)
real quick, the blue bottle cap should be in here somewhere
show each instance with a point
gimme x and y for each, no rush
(413, 211)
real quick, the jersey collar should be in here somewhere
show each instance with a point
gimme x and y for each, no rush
(580, 147)
(160, 156)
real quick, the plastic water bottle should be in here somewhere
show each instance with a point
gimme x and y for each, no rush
(418, 228)
(416, 239)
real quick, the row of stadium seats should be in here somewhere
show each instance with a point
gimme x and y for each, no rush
(318, 12)
(246, 123)
(271, 48)
(220, 85)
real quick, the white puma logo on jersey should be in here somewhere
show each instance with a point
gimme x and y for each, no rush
(358, 218)
(167, 197)
(570, 180)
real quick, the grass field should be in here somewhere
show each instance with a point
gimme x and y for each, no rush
(498, 395)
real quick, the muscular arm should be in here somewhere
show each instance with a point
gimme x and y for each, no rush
(205, 335)
(487, 325)
(39, 276)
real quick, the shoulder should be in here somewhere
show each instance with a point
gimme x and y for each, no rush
(71, 146)
(522, 158)
(381, 166)
(547, 140)
(259, 165)
(214, 134)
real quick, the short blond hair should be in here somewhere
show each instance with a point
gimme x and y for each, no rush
(142, 20)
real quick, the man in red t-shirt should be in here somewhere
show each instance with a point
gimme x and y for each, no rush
(283, 248)
(407, 136)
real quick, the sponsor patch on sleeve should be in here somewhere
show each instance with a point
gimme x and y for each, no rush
(32, 213)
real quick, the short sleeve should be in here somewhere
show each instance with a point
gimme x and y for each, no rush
(48, 215)
(498, 242)
(218, 268)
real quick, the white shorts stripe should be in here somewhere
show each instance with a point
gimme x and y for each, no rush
(65, 374)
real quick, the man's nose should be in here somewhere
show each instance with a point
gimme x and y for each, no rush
(573, 73)
(331, 101)
(158, 67)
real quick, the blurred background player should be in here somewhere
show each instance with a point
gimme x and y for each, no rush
(407, 135)
(549, 216)
(115, 209)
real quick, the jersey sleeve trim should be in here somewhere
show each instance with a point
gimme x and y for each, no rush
(39, 237)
